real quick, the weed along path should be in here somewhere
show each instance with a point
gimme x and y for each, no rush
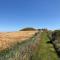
(45, 51)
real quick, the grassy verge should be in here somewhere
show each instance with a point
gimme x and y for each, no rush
(45, 51)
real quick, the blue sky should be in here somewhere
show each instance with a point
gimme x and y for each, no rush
(17, 14)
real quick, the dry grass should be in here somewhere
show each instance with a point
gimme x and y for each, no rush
(7, 39)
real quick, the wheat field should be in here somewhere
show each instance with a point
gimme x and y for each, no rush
(8, 39)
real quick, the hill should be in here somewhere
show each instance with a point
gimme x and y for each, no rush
(28, 29)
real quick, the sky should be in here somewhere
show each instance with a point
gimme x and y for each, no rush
(18, 14)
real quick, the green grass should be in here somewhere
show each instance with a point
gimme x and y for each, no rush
(45, 51)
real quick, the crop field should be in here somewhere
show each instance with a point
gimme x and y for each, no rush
(26, 45)
(7, 39)
(21, 48)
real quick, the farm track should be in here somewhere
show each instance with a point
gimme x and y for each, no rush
(45, 50)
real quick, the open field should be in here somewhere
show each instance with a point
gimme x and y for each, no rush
(23, 50)
(27, 45)
(7, 39)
